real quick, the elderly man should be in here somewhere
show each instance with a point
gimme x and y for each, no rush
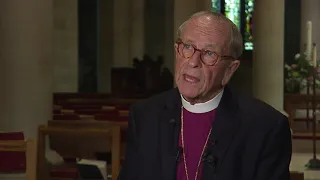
(202, 130)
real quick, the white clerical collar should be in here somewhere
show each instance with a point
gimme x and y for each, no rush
(202, 107)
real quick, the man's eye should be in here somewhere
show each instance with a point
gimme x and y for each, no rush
(209, 53)
(188, 46)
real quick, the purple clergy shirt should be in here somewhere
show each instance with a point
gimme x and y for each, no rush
(196, 129)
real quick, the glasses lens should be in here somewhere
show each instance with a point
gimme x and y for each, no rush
(209, 58)
(209, 62)
(187, 51)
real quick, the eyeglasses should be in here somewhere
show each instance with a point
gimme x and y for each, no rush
(209, 58)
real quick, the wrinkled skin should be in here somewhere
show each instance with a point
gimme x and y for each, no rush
(196, 81)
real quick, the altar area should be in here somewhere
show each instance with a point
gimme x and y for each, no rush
(299, 160)
(302, 143)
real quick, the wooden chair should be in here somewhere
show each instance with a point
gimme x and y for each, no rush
(112, 133)
(29, 147)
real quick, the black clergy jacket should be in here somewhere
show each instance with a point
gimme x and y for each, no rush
(249, 140)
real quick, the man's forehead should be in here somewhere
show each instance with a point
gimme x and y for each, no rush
(209, 32)
(208, 26)
(205, 21)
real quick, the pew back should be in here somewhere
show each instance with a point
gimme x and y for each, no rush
(29, 147)
(110, 133)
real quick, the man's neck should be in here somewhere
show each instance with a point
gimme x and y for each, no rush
(204, 105)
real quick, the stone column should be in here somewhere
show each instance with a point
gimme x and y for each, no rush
(65, 45)
(268, 50)
(137, 29)
(26, 54)
(122, 28)
(106, 46)
(184, 8)
(169, 36)
(310, 12)
(207, 4)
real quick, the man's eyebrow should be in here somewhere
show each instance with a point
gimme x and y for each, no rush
(213, 46)
(189, 41)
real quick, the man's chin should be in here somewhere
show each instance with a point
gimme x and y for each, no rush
(188, 95)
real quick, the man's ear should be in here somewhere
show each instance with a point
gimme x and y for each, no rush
(176, 50)
(234, 65)
(175, 47)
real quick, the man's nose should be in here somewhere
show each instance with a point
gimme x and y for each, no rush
(195, 60)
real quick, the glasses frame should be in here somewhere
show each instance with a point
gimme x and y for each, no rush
(195, 49)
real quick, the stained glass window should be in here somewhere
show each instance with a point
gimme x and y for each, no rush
(216, 5)
(232, 11)
(248, 45)
(240, 13)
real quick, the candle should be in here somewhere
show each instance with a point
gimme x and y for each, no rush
(309, 40)
(315, 56)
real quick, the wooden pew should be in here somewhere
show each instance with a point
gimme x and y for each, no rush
(92, 107)
(109, 101)
(26, 146)
(60, 97)
(87, 124)
(12, 161)
(111, 133)
(83, 144)
(294, 175)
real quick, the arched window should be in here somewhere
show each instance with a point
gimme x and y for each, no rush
(248, 44)
(240, 12)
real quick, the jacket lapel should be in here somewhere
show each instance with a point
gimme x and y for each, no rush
(170, 123)
(224, 127)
